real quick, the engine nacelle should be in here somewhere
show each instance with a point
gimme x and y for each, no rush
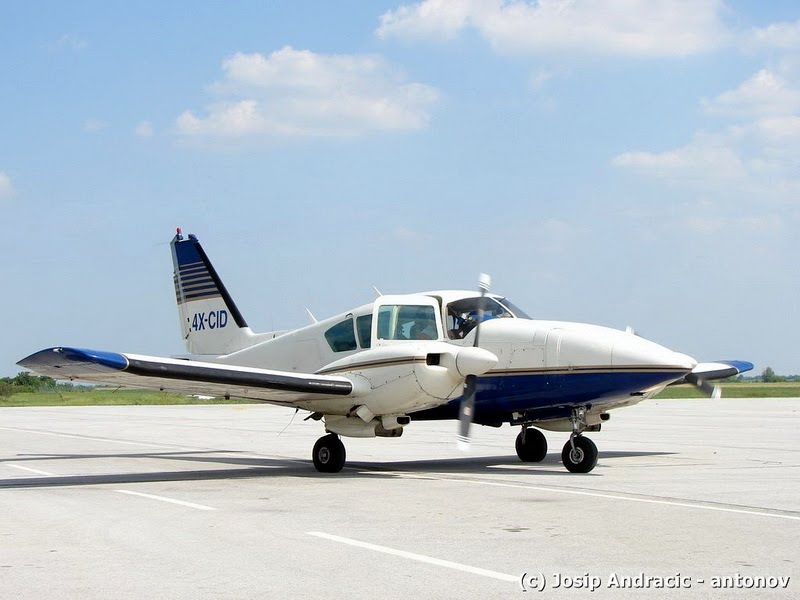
(353, 426)
(403, 378)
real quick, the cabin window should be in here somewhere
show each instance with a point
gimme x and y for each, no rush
(364, 327)
(407, 322)
(341, 337)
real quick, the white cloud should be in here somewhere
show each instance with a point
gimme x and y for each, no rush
(637, 28)
(143, 129)
(757, 153)
(765, 93)
(783, 128)
(705, 157)
(6, 189)
(93, 125)
(783, 35)
(300, 93)
(432, 18)
(714, 219)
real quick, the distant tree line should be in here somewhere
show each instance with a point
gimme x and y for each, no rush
(25, 382)
(768, 375)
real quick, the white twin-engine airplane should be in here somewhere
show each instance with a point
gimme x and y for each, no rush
(462, 355)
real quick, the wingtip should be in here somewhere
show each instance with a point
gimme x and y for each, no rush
(740, 365)
(60, 361)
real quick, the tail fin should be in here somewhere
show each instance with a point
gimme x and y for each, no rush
(210, 321)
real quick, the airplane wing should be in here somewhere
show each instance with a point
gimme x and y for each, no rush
(709, 371)
(185, 376)
(721, 369)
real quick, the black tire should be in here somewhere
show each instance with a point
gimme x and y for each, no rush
(534, 448)
(583, 459)
(329, 454)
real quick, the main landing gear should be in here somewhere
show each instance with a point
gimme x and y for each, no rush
(531, 445)
(329, 454)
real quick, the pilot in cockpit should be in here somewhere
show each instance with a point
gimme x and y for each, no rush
(423, 327)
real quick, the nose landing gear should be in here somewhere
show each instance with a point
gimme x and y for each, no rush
(579, 454)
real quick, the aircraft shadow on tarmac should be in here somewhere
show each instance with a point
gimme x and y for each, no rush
(252, 467)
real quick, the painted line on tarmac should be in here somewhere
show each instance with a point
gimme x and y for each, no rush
(29, 469)
(165, 499)
(698, 505)
(418, 557)
(95, 439)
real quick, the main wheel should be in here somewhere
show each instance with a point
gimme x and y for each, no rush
(583, 458)
(329, 454)
(532, 447)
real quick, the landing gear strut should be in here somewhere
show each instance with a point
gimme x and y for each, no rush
(329, 454)
(531, 445)
(579, 454)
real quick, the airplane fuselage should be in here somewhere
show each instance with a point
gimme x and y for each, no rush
(544, 368)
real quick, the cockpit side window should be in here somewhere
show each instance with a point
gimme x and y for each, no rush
(341, 337)
(407, 322)
(462, 315)
(364, 327)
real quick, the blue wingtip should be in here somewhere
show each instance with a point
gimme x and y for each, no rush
(739, 365)
(65, 362)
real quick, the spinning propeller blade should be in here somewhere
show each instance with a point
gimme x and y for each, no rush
(712, 391)
(466, 411)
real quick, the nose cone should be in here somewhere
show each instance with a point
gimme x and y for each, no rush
(635, 351)
(685, 361)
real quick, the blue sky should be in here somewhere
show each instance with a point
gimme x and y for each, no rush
(623, 162)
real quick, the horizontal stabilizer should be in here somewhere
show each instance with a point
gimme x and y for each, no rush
(184, 376)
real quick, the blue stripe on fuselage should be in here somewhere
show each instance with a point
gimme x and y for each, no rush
(498, 396)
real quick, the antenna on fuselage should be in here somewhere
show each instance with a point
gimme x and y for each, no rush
(377, 291)
(310, 314)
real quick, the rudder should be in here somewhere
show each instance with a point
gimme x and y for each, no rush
(210, 321)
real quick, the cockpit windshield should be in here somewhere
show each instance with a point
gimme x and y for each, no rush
(518, 312)
(462, 315)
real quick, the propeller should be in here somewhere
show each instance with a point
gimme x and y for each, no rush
(701, 384)
(466, 411)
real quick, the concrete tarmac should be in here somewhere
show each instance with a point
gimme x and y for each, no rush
(690, 499)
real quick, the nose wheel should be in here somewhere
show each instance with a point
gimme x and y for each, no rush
(329, 454)
(579, 454)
